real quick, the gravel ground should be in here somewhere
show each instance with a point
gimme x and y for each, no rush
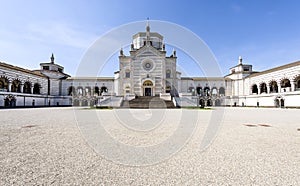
(46, 146)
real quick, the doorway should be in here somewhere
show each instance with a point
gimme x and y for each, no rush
(148, 91)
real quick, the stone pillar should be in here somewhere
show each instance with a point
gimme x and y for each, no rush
(268, 89)
(293, 86)
(9, 86)
(21, 87)
(31, 89)
(92, 91)
(279, 87)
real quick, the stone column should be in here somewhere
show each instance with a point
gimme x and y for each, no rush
(21, 87)
(92, 91)
(279, 87)
(268, 89)
(293, 86)
(31, 89)
(9, 86)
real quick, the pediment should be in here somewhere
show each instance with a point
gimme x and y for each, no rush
(148, 51)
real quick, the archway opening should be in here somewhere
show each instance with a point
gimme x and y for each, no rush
(217, 103)
(263, 88)
(199, 91)
(103, 90)
(16, 86)
(273, 87)
(222, 91)
(206, 91)
(4, 84)
(254, 89)
(71, 91)
(36, 88)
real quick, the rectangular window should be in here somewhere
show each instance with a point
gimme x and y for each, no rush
(246, 69)
(60, 70)
(45, 67)
(127, 74)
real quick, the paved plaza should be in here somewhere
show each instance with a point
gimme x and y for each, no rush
(66, 146)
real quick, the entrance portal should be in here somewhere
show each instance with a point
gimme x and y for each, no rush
(148, 92)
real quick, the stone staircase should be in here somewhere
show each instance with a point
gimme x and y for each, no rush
(146, 102)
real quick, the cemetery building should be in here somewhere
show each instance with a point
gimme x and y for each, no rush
(148, 71)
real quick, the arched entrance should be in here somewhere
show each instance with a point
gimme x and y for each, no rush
(277, 103)
(10, 101)
(76, 102)
(217, 102)
(281, 103)
(147, 86)
(202, 103)
(209, 103)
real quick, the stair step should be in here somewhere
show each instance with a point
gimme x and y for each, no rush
(147, 102)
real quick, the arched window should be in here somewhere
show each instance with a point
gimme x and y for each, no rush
(36, 88)
(222, 91)
(273, 87)
(80, 91)
(103, 90)
(3, 84)
(217, 102)
(297, 82)
(263, 88)
(148, 83)
(87, 91)
(127, 74)
(191, 89)
(254, 89)
(16, 86)
(214, 91)
(96, 91)
(71, 91)
(199, 91)
(285, 83)
(206, 91)
(209, 103)
(27, 88)
(168, 74)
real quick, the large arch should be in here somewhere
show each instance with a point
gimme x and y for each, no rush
(222, 91)
(254, 89)
(10, 101)
(209, 103)
(76, 102)
(36, 88)
(206, 91)
(273, 87)
(217, 102)
(263, 88)
(79, 91)
(16, 86)
(103, 90)
(285, 84)
(87, 91)
(96, 91)
(71, 91)
(27, 87)
(297, 83)
(214, 91)
(3, 84)
(199, 91)
(202, 103)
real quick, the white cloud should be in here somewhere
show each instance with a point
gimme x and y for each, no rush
(58, 33)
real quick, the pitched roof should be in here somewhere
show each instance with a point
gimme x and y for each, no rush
(2, 64)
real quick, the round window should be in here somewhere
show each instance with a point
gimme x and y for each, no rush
(147, 65)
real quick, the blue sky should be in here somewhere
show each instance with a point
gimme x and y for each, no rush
(266, 33)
